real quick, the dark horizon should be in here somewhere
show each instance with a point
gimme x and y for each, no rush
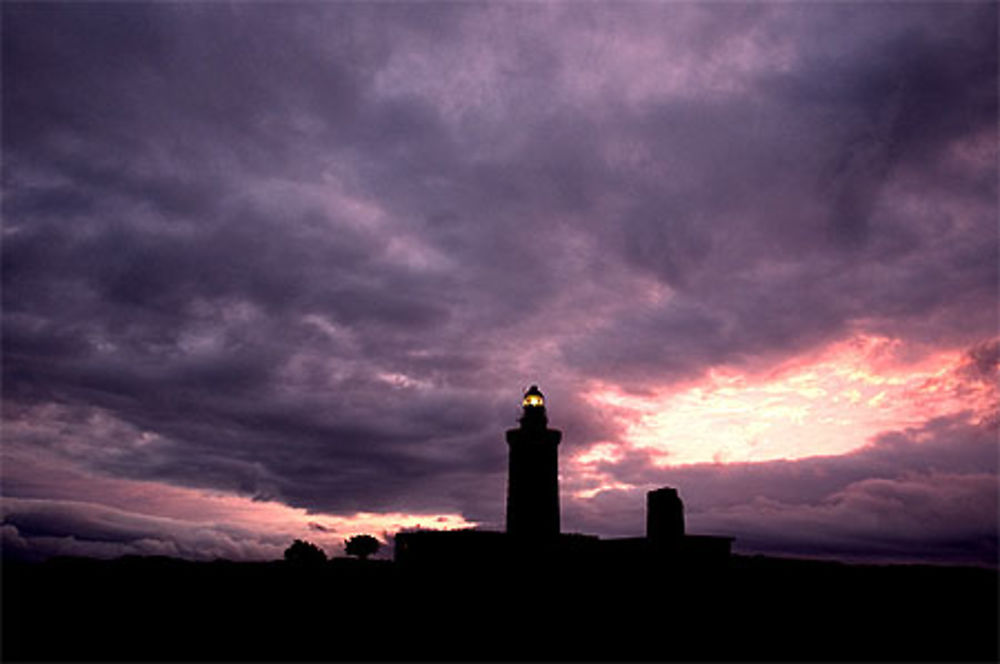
(756, 609)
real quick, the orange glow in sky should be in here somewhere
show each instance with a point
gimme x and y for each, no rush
(327, 531)
(831, 402)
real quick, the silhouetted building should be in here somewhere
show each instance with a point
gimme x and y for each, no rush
(664, 517)
(533, 472)
(450, 548)
(532, 533)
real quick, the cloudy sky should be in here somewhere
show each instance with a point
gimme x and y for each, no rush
(276, 271)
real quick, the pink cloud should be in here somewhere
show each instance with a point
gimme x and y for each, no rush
(78, 513)
(831, 401)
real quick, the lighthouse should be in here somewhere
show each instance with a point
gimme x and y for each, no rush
(533, 473)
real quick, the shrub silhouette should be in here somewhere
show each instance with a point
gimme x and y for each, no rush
(304, 553)
(361, 546)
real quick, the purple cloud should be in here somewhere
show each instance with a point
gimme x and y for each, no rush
(311, 255)
(924, 493)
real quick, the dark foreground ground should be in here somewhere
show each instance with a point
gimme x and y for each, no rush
(757, 609)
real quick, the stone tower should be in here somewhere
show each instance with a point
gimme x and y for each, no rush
(664, 517)
(533, 473)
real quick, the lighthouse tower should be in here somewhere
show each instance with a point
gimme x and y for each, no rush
(533, 474)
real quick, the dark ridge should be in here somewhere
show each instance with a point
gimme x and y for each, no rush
(753, 609)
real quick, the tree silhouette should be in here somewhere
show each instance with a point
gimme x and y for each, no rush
(361, 546)
(304, 553)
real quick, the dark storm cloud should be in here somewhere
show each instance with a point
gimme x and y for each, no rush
(796, 234)
(180, 303)
(34, 529)
(313, 253)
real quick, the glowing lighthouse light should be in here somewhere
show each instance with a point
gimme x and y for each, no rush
(533, 474)
(533, 398)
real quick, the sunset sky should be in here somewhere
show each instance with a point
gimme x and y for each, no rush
(277, 271)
